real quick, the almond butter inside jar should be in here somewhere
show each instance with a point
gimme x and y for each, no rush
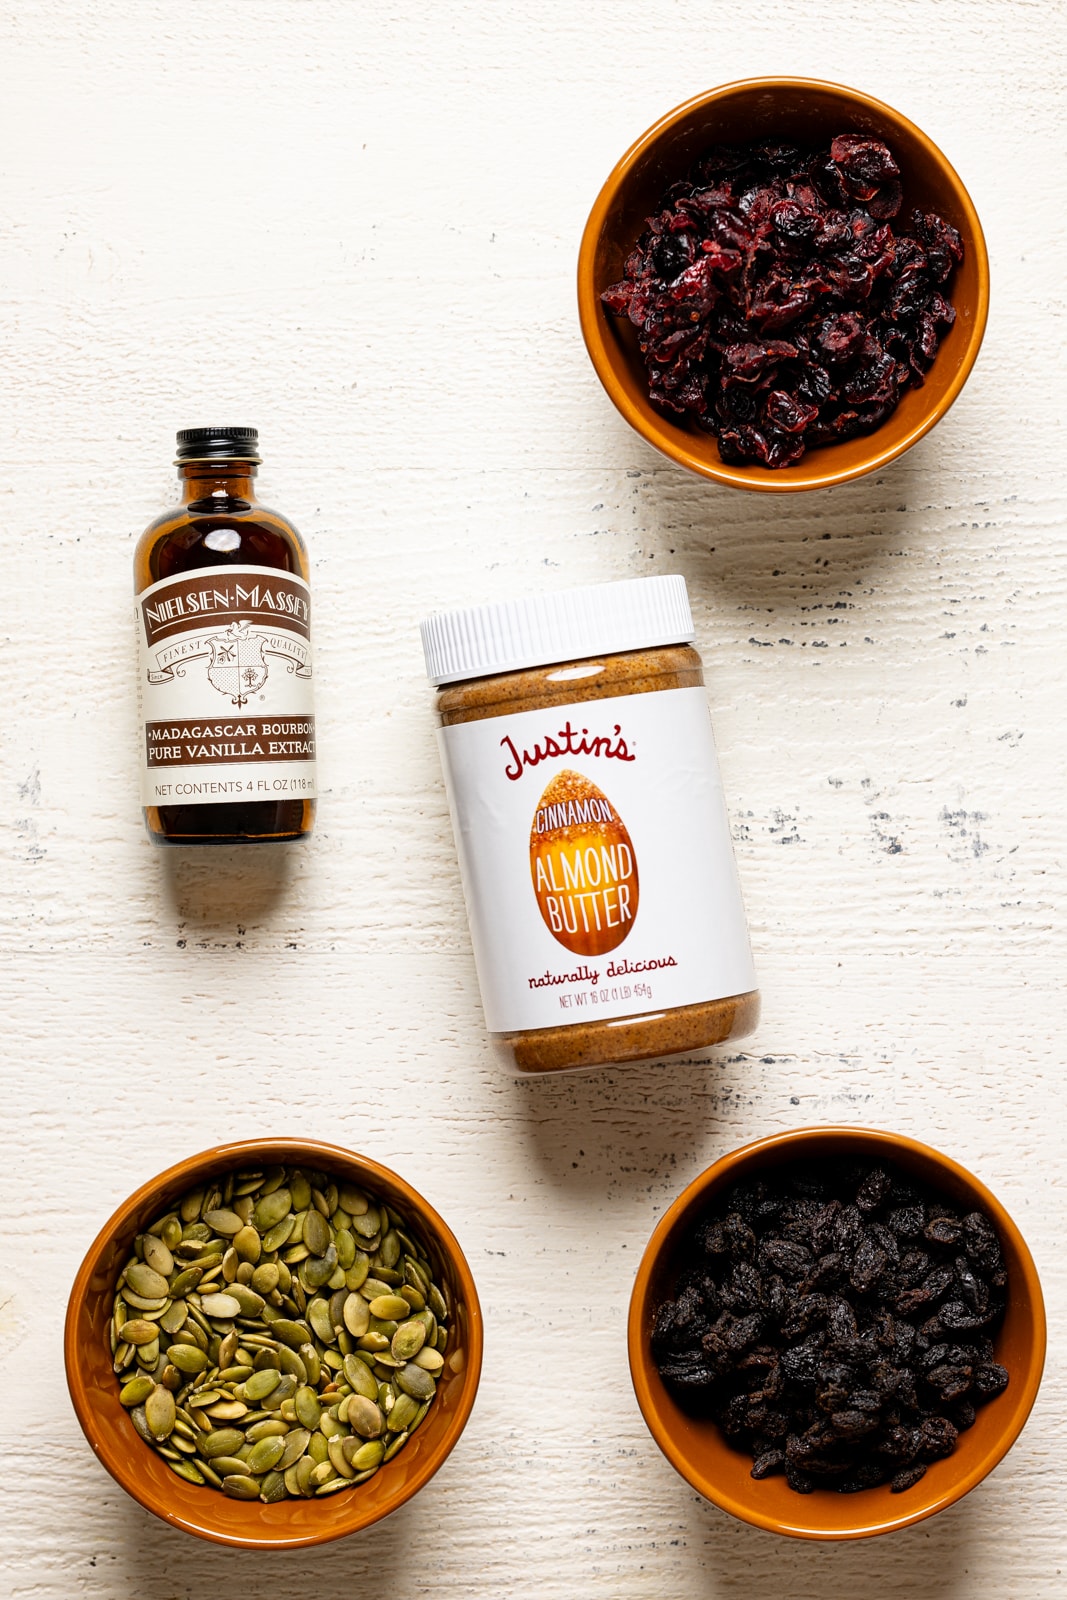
(591, 827)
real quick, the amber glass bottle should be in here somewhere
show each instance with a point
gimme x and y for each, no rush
(226, 674)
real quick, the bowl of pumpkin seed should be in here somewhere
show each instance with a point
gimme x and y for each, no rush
(274, 1343)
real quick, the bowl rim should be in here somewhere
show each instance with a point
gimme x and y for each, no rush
(305, 1152)
(793, 1142)
(594, 330)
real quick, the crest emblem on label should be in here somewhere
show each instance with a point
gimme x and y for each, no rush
(237, 667)
(583, 866)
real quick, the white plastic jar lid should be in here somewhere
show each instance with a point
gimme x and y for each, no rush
(599, 619)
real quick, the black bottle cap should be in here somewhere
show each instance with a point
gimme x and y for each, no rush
(225, 444)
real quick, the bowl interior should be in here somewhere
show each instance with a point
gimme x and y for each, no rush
(723, 1474)
(206, 1511)
(806, 113)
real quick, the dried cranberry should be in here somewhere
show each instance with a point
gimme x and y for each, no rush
(770, 239)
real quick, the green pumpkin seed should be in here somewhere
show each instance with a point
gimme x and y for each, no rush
(187, 1358)
(143, 1280)
(318, 1270)
(271, 1209)
(374, 1341)
(360, 1378)
(364, 1417)
(356, 1275)
(174, 1316)
(389, 1249)
(352, 1199)
(139, 1331)
(294, 1334)
(388, 1307)
(228, 1223)
(368, 1455)
(318, 1314)
(336, 1451)
(397, 1442)
(416, 1382)
(247, 1244)
(186, 1281)
(403, 1413)
(157, 1255)
(272, 1488)
(265, 1454)
(290, 1362)
(222, 1307)
(249, 1302)
(334, 1485)
(307, 1406)
(408, 1341)
(136, 1392)
(316, 1233)
(240, 1487)
(265, 1278)
(296, 1443)
(368, 1225)
(269, 1428)
(159, 1412)
(223, 1442)
(170, 1231)
(261, 1383)
(356, 1315)
(278, 1235)
(147, 1355)
(333, 1363)
(227, 1411)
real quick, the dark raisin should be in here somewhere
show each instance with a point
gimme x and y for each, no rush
(790, 1328)
(770, 1461)
(906, 1478)
(990, 1381)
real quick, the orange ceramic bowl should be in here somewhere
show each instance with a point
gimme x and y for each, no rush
(722, 1474)
(204, 1511)
(808, 112)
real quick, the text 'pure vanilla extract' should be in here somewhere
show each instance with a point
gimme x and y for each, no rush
(226, 675)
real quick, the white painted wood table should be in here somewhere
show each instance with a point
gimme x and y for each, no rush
(356, 226)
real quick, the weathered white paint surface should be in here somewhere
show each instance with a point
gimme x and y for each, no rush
(356, 225)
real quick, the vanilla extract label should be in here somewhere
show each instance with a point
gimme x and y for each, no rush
(226, 684)
(191, 742)
(597, 861)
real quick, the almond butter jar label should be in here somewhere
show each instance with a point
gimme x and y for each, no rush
(596, 858)
(226, 688)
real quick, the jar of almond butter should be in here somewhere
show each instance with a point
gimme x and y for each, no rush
(592, 832)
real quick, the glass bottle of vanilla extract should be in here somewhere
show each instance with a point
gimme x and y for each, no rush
(225, 672)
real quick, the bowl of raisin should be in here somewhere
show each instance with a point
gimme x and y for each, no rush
(783, 284)
(836, 1332)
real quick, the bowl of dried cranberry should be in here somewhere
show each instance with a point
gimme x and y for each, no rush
(836, 1332)
(783, 284)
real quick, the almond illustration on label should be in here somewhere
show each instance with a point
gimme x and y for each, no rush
(583, 866)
